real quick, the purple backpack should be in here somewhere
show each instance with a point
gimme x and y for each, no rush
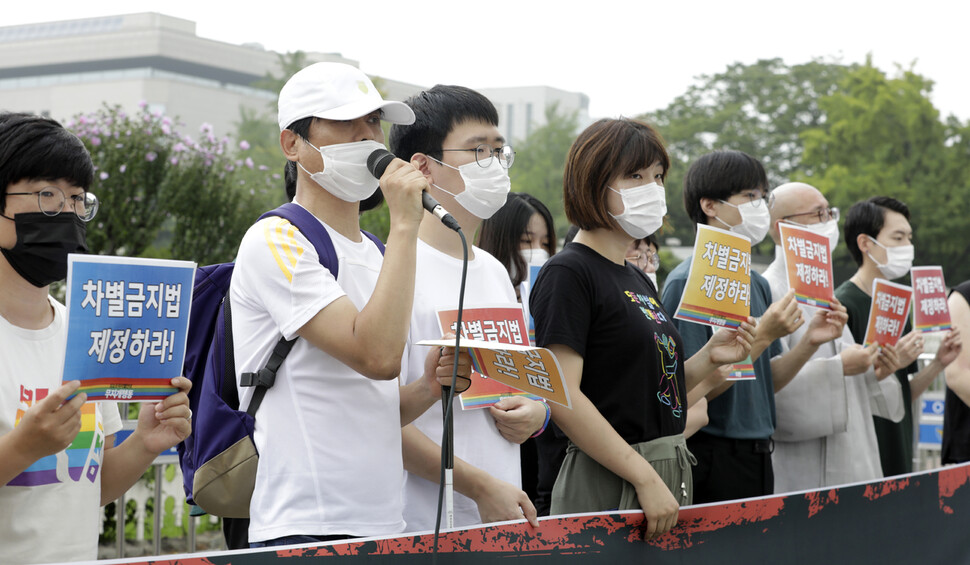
(219, 459)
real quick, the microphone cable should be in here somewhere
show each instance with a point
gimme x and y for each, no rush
(447, 435)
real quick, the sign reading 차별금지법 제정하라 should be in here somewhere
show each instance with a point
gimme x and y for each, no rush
(718, 289)
(497, 324)
(888, 312)
(808, 265)
(930, 310)
(127, 320)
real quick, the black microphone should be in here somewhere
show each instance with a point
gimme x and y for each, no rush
(377, 163)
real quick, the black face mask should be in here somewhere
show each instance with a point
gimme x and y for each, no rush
(43, 242)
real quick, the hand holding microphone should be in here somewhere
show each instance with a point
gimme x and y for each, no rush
(377, 163)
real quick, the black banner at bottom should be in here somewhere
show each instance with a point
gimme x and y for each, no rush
(919, 518)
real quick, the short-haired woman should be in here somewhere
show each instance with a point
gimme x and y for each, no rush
(618, 350)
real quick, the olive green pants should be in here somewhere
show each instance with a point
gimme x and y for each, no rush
(583, 485)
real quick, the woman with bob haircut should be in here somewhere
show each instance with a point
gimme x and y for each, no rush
(619, 352)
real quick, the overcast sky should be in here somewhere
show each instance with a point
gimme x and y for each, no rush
(627, 56)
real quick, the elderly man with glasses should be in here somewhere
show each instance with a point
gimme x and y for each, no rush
(824, 435)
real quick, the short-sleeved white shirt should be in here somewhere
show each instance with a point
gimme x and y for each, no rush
(477, 439)
(329, 439)
(51, 511)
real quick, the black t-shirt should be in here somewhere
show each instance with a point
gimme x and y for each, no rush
(956, 414)
(633, 366)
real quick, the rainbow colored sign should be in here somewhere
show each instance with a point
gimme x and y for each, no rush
(533, 370)
(718, 290)
(499, 324)
(126, 325)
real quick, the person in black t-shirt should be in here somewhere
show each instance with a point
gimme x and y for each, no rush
(620, 354)
(956, 413)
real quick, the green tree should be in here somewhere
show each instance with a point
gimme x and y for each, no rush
(541, 158)
(760, 109)
(884, 137)
(165, 194)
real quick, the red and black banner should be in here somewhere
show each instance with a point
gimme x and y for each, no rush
(919, 518)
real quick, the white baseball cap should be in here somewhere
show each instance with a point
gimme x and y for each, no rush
(336, 91)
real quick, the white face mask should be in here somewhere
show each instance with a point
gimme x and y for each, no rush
(829, 229)
(755, 220)
(345, 173)
(644, 208)
(534, 256)
(899, 260)
(486, 188)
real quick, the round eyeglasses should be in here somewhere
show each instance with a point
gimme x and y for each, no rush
(823, 215)
(484, 154)
(642, 260)
(768, 199)
(51, 202)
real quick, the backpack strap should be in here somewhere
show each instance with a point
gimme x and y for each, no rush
(317, 234)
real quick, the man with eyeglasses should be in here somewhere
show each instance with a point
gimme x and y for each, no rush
(45, 172)
(880, 240)
(455, 142)
(825, 433)
(729, 189)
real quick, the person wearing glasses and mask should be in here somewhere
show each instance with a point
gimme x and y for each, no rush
(825, 433)
(645, 254)
(623, 359)
(45, 172)
(729, 190)
(455, 143)
(880, 240)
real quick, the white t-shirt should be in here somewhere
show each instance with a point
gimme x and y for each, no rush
(51, 511)
(329, 438)
(477, 440)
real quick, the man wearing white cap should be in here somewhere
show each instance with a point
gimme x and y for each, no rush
(328, 432)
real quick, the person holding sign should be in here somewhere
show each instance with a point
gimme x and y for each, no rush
(729, 189)
(825, 435)
(880, 240)
(455, 143)
(58, 464)
(329, 431)
(622, 357)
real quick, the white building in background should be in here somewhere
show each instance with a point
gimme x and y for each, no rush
(64, 68)
(522, 109)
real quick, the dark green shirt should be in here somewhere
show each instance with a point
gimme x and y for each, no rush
(895, 439)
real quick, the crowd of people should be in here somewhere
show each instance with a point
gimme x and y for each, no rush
(349, 435)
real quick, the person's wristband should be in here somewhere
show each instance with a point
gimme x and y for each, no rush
(545, 422)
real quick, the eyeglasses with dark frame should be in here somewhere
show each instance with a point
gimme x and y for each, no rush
(484, 154)
(823, 215)
(51, 200)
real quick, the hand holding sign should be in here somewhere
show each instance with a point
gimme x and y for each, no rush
(731, 346)
(827, 325)
(887, 361)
